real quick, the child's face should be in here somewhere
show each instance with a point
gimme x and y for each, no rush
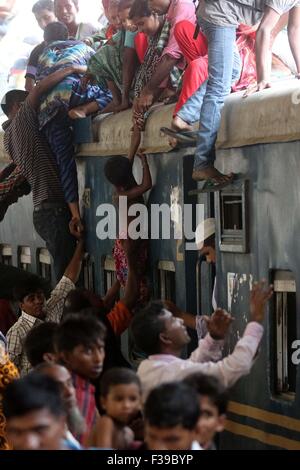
(45, 17)
(123, 402)
(66, 11)
(126, 22)
(147, 24)
(177, 438)
(86, 361)
(210, 422)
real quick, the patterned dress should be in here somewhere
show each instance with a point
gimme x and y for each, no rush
(8, 373)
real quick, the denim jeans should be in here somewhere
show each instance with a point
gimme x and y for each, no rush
(224, 68)
(52, 225)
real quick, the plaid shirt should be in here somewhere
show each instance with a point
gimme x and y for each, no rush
(17, 334)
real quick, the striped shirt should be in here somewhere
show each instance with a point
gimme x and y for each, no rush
(29, 150)
(86, 402)
(18, 332)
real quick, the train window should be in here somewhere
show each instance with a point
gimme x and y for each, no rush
(44, 264)
(109, 273)
(88, 273)
(24, 258)
(232, 213)
(286, 332)
(167, 280)
(6, 254)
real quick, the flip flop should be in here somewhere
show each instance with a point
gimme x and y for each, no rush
(210, 186)
(189, 137)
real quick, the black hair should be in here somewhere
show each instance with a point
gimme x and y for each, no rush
(56, 32)
(39, 341)
(146, 327)
(210, 387)
(79, 329)
(43, 5)
(139, 9)
(28, 287)
(11, 98)
(172, 404)
(75, 2)
(31, 393)
(118, 171)
(118, 376)
(75, 302)
(124, 4)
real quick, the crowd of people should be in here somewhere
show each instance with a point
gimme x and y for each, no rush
(64, 382)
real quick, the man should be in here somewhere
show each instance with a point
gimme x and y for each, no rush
(35, 414)
(219, 21)
(167, 336)
(75, 421)
(43, 11)
(30, 152)
(35, 309)
(175, 11)
(67, 12)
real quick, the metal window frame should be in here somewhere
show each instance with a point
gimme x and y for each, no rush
(284, 283)
(165, 267)
(234, 241)
(6, 254)
(109, 270)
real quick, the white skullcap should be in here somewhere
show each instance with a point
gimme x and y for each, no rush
(205, 229)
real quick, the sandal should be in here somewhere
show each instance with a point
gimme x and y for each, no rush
(189, 137)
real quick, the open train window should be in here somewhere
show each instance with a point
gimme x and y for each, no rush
(6, 254)
(24, 258)
(286, 332)
(167, 280)
(44, 264)
(88, 273)
(232, 218)
(109, 273)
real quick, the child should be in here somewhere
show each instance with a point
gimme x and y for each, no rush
(171, 416)
(157, 29)
(213, 400)
(120, 396)
(80, 345)
(113, 66)
(118, 171)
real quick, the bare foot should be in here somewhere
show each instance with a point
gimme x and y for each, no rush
(180, 125)
(77, 113)
(211, 173)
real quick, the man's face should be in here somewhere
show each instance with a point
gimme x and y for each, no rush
(62, 376)
(37, 430)
(210, 254)
(86, 361)
(45, 17)
(34, 304)
(66, 11)
(174, 331)
(177, 438)
(160, 7)
(210, 422)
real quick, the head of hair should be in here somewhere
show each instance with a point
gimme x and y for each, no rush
(39, 341)
(172, 404)
(56, 32)
(75, 302)
(32, 393)
(75, 2)
(28, 287)
(118, 376)
(118, 171)
(79, 329)
(139, 9)
(12, 98)
(43, 5)
(124, 4)
(148, 320)
(210, 387)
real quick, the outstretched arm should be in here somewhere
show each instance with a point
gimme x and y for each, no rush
(145, 185)
(50, 82)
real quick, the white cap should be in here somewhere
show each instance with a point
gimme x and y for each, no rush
(205, 229)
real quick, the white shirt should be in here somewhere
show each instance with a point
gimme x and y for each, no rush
(163, 368)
